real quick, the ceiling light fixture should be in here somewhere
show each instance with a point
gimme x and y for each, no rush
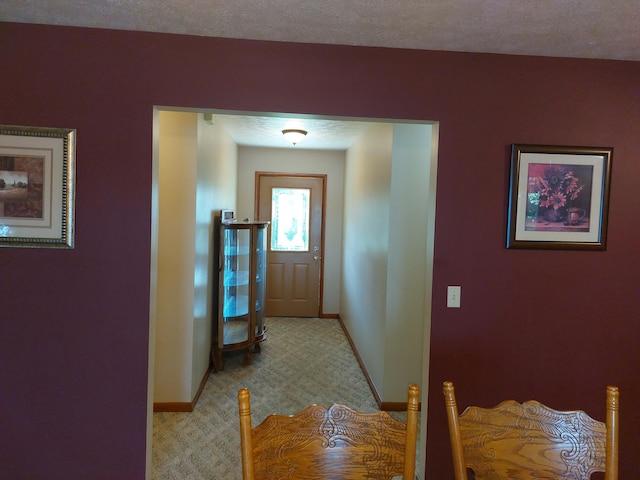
(294, 135)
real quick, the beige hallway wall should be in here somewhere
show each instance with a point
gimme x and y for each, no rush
(197, 165)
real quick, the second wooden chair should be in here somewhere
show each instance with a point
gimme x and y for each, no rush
(516, 441)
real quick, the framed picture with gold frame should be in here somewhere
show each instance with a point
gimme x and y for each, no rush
(559, 197)
(37, 186)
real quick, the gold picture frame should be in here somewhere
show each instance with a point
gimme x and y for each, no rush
(37, 186)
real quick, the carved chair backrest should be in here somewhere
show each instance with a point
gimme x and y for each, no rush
(334, 443)
(524, 441)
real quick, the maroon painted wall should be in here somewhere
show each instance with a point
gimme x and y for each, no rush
(553, 325)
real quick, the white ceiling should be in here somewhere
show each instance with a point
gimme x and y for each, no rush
(558, 28)
(266, 131)
(604, 29)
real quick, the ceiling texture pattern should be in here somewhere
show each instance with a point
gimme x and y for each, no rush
(599, 29)
(266, 131)
(606, 29)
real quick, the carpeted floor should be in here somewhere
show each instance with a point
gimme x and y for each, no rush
(303, 361)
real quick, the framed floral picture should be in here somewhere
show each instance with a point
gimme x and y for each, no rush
(559, 197)
(37, 178)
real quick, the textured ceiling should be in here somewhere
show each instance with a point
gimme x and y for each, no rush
(560, 28)
(605, 29)
(266, 131)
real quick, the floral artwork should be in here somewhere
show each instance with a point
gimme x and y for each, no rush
(558, 196)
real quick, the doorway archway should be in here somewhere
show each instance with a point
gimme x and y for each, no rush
(430, 157)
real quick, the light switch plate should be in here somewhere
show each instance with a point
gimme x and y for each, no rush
(453, 296)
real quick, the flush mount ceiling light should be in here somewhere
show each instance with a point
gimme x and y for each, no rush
(294, 135)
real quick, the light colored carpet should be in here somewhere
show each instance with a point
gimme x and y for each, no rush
(303, 361)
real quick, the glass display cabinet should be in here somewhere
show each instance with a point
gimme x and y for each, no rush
(240, 323)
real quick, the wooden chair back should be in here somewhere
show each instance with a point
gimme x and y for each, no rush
(334, 443)
(525, 441)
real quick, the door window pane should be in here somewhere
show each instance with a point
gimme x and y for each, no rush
(290, 219)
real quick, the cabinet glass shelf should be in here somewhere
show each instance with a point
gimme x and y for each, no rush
(234, 250)
(236, 306)
(235, 279)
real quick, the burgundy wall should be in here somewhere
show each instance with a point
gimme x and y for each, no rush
(557, 326)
